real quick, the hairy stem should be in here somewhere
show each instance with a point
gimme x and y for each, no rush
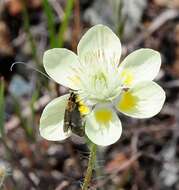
(91, 164)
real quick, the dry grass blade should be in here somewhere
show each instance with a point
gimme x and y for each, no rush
(2, 107)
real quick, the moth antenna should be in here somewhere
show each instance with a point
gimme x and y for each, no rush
(30, 67)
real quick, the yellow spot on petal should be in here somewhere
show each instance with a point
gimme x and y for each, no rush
(127, 77)
(127, 101)
(103, 115)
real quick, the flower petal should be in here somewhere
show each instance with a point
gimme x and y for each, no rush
(144, 100)
(52, 119)
(99, 42)
(59, 63)
(141, 65)
(101, 132)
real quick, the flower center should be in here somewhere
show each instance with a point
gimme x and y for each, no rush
(100, 80)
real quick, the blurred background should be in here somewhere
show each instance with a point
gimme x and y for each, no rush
(147, 154)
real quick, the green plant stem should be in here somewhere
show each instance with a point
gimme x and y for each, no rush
(64, 24)
(24, 121)
(50, 22)
(120, 22)
(91, 164)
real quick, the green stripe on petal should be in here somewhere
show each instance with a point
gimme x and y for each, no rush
(60, 64)
(52, 119)
(144, 100)
(102, 129)
(99, 43)
(141, 65)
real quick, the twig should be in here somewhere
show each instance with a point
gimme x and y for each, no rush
(58, 9)
(171, 84)
(128, 163)
(76, 28)
(156, 24)
(170, 125)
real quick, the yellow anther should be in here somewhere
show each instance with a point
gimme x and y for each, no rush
(84, 110)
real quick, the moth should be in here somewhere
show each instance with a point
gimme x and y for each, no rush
(72, 119)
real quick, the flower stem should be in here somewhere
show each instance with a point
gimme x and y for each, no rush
(91, 164)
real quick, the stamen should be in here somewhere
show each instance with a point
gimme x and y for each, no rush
(83, 108)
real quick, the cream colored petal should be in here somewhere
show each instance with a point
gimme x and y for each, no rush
(52, 119)
(60, 64)
(141, 65)
(99, 43)
(144, 100)
(101, 132)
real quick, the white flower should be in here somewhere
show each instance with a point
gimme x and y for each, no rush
(95, 74)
